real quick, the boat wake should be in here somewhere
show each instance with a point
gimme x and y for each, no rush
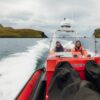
(17, 69)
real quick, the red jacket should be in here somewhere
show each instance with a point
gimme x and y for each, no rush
(80, 52)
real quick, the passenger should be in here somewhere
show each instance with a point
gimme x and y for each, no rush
(59, 47)
(78, 50)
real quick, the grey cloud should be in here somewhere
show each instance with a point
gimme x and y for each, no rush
(21, 15)
(47, 14)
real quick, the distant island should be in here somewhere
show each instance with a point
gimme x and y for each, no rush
(97, 33)
(9, 32)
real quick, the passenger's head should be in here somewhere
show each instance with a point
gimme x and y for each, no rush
(58, 44)
(78, 44)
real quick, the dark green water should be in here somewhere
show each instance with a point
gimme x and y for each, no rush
(11, 46)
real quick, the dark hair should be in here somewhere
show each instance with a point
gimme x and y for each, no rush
(76, 48)
(60, 48)
(57, 42)
(77, 42)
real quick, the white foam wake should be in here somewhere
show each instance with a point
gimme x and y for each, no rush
(17, 69)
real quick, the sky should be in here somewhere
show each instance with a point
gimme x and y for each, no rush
(46, 15)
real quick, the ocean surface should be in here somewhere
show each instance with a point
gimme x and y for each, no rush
(11, 46)
(19, 58)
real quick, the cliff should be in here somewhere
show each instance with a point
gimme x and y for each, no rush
(97, 33)
(9, 32)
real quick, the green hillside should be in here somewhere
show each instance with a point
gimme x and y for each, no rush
(9, 32)
(97, 33)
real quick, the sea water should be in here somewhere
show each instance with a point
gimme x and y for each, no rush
(18, 60)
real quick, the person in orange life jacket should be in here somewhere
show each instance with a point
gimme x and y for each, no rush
(59, 47)
(78, 50)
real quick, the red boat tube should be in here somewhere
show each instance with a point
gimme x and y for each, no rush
(27, 90)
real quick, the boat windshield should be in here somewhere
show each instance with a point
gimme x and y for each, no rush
(70, 44)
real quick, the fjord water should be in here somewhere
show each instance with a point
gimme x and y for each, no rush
(10, 46)
(18, 60)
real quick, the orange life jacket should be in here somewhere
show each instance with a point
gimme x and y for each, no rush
(80, 52)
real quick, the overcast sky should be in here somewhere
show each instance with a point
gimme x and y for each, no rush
(46, 15)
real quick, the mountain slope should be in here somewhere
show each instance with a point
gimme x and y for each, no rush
(97, 33)
(9, 32)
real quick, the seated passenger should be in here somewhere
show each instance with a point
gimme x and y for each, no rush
(59, 47)
(78, 50)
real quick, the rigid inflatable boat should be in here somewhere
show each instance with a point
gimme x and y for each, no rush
(65, 76)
